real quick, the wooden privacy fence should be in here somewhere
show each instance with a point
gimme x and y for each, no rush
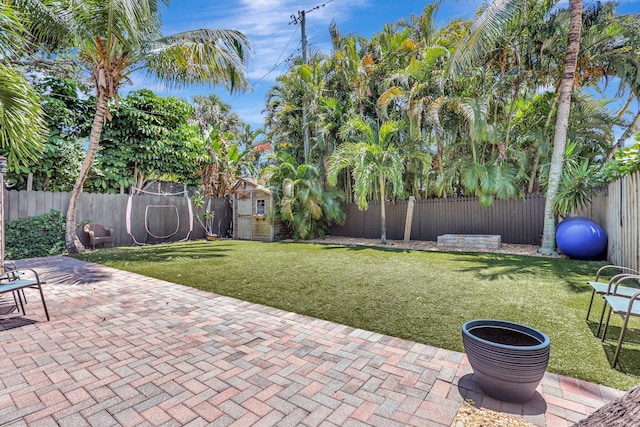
(164, 214)
(517, 220)
(520, 221)
(622, 221)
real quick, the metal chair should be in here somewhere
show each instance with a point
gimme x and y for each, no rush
(17, 280)
(602, 288)
(624, 306)
(9, 271)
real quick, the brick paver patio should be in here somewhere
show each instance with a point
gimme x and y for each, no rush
(124, 349)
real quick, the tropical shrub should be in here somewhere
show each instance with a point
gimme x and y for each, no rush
(625, 162)
(148, 138)
(35, 236)
(303, 202)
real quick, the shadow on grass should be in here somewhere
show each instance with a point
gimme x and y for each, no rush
(632, 336)
(491, 267)
(332, 246)
(628, 359)
(629, 356)
(497, 266)
(160, 253)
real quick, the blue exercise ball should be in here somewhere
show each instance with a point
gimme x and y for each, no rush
(581, 238)
(565, 222)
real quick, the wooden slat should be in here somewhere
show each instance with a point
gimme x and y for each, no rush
(110, 210)
(518, 220)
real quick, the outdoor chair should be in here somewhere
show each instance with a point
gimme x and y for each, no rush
(614, 288)
(625, 307)
(602, 288)
(16, 281)
(8, 271)
(98, 234)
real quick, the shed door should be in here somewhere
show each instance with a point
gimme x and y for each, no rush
(244, 218)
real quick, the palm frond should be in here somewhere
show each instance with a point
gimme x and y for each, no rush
(22, 126)
(200, 56)
(389, 129)
(13, 32)
(486, 29)
(47, 20)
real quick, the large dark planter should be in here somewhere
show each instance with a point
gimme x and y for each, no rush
(508, 359)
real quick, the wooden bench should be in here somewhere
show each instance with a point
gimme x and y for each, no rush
(469, 242)
(14, 281)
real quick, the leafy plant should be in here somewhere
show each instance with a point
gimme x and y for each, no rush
(147, 139)
(579, 178)
(625, 162)
(204, 214)
(67, 115)
(375, 162)
(226, 164)
(304, 204)
(35, 236)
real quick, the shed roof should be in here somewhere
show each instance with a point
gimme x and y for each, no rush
(250, 182)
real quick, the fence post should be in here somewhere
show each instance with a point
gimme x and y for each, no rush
(409, 220)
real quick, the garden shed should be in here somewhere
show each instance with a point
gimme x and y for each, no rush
(251, 206)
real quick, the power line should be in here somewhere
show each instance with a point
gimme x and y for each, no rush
(295, 19)
(275, 65)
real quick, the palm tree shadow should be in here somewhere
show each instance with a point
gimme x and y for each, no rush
(161, 253)
(66, 270)
(495, 266)
(356, 247)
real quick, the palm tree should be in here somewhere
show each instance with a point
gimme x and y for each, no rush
(117, 37)
(22, 126)
(227, 160)
(376, 162)
(415, 88)
(304, 203)
(487, 28)
(211, 110)
(562, 122)
(356, 69)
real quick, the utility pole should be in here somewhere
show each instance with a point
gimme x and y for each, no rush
(305, 126)
(301, 18)
(303, 33)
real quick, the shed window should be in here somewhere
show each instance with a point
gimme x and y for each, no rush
(260, 207)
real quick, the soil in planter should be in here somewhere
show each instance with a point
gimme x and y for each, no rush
(504, 336)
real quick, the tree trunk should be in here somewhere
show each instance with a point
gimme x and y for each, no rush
(621, 412)
(562, 123)
(71, 239)
(383, 213)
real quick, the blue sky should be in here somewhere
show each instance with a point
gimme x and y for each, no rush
(267, 25)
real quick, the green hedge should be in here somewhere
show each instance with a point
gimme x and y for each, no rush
(35, 236)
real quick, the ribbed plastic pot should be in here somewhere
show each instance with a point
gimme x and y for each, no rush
(508, 359)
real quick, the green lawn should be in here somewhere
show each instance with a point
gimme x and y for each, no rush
(421, 296)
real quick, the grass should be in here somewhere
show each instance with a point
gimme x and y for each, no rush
(420, 296)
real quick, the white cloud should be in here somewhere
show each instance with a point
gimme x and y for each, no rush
(267, 25)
